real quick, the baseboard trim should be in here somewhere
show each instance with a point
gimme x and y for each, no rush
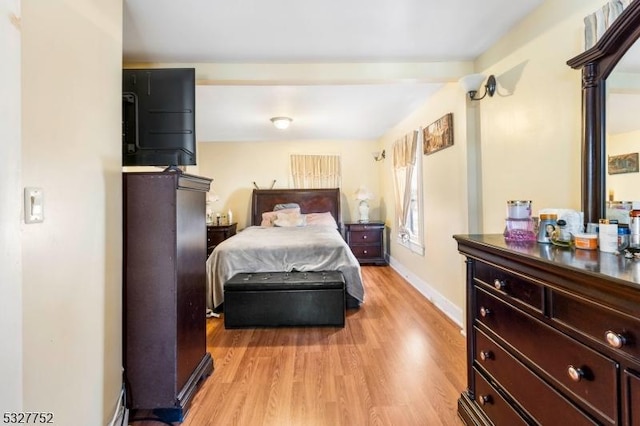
(442, 303)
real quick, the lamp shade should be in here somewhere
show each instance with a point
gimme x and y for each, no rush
(281, 123)
(363, 193)
(471, 82)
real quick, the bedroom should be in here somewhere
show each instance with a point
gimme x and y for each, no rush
(66, 304)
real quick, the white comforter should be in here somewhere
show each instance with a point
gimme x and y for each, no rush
(273, 249)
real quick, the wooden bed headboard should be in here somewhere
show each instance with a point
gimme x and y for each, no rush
(310, 201)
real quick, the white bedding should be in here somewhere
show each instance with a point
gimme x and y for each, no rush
(274, 249)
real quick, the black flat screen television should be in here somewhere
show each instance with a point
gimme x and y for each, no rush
(158, 117)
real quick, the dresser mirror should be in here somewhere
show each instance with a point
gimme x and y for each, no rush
(610, 97)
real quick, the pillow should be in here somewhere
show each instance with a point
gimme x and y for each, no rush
(289, 219)
(286, 206)
(269, 217)
(321, 219)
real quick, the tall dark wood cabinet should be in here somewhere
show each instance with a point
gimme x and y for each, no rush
(553, 335)
(165, 355)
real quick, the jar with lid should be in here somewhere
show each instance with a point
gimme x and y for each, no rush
(634, 226)
(561, 235)
(547, 225)
(519, 209)
(624, 235)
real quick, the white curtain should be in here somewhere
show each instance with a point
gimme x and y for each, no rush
(598, 22)
(404, 162)
(316, 171)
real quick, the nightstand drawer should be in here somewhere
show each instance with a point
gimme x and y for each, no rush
(373, 236)
(366, 252)
(217, 234)
(372, 226)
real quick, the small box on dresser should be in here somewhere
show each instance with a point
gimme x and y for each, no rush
(366, 241)
(549, 338)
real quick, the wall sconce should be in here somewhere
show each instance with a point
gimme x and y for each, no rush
(281, 123)
(471, 84)
(379, 156)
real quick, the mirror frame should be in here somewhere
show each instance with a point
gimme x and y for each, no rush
(597, 63)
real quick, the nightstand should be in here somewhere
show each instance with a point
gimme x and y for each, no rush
(217, 234)
(366, 241)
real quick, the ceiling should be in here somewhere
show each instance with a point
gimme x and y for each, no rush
(342, 69)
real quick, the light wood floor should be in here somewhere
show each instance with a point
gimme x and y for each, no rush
(398, 361)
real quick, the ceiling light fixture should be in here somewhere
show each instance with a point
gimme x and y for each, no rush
(281, 123)
(471, 85)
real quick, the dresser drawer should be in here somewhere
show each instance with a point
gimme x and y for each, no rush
(512, 286)
(579, 370)
(365, 251)
(632, 398)
(493, 404)
(607, 326)
(539, 400)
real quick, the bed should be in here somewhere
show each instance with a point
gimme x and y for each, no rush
(285, 249)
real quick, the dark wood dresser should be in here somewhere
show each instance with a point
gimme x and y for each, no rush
(366, 241)
(218, 233)
(553, 335)
(165, 356)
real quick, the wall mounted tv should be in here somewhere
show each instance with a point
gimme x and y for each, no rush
(158, 117)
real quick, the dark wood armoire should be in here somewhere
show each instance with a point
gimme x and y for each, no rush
(165, 356)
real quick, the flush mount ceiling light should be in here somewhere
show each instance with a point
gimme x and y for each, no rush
(471, 84)
(281, 123)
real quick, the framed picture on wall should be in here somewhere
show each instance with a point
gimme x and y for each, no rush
(438, 135)
(625, 163)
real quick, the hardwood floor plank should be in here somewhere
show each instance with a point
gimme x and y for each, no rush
(397, 361)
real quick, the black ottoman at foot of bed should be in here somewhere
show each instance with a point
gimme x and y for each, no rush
(275, 299)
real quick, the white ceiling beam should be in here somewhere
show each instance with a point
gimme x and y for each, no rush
(321, 73)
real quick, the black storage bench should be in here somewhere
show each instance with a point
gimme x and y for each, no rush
(274, 299)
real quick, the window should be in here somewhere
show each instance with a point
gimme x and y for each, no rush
(316, 171)
(407, 168)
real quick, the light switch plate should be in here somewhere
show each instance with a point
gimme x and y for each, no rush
(33, 205)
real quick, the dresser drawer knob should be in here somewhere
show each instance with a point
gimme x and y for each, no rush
(499, 284)
(484, 399)
(364, 237)
(486, 355)
(484, 312)
(365, 252)
(615, 340)
(576, 374)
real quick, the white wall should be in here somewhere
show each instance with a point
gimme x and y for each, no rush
(72, 267)
(10, 209)
(234, 166)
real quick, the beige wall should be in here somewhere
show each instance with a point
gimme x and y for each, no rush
(527, 138)
(437, 274)
(10, 193)
(530, 131)
(235, 166)
(71, 275)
